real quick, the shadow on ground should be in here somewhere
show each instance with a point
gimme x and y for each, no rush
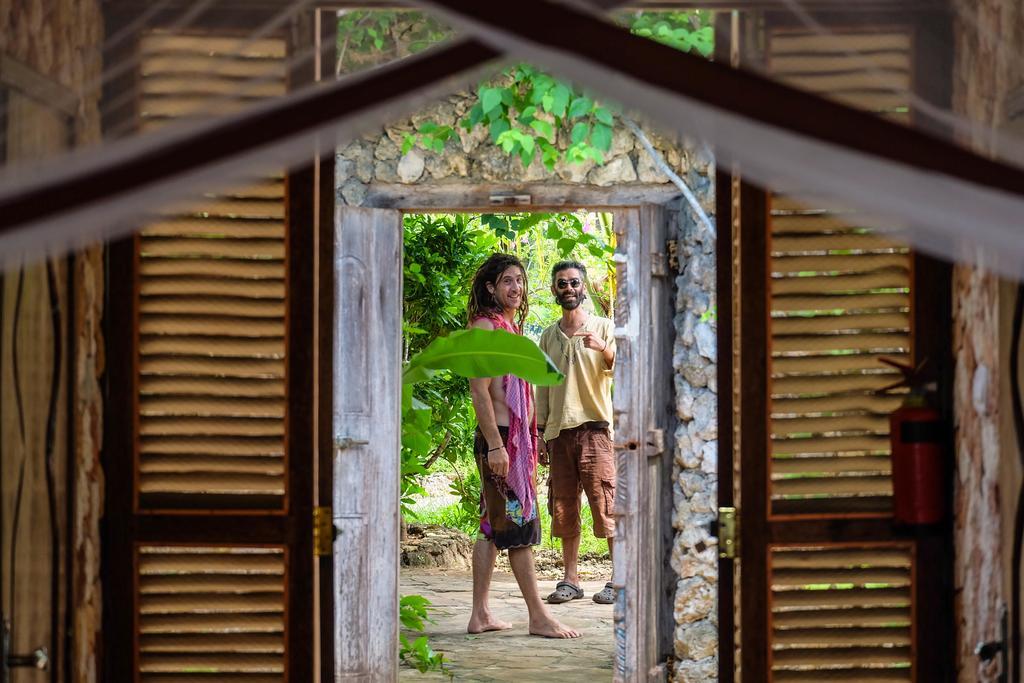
(511, 655)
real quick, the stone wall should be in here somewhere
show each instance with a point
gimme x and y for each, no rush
(988, 36)
(470, 159)
(695, 471)
(63, 41)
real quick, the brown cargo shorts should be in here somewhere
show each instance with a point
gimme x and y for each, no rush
(582, 459)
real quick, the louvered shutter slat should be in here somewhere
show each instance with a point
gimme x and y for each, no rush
(841, 612)
(218, 611)
(839, 301)
(212, 298)
(213, 445)
(213, 305)
(221, 268)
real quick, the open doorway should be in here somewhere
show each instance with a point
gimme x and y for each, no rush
(440, 477)
(368, 343)
(455, 155)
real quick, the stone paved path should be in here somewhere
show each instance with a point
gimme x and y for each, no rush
(511, 655)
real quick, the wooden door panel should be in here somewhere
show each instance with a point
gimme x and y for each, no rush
(828, 583)
(367, 443)
(209, 440)
(644, 429)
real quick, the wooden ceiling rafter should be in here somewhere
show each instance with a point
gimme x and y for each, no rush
(352, 102)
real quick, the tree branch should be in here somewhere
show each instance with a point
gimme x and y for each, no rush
(660, 162)
(441, 447)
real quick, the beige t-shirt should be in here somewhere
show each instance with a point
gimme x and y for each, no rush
(586, 394)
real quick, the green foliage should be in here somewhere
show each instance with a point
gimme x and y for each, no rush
(525, 109)
(442, 252)
(527, 112)
(413, 612)
(373, 37)
(691, 31)
(566, 230)
(483, 353)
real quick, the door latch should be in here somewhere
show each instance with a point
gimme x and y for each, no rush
(324, 531)
(39, 659)
(345, 442)
(727, 530)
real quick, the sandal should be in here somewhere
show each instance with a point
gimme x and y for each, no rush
(564, 592)
(606, 595)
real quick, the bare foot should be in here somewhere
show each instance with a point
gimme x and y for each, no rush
(549, 627)
(486, 622)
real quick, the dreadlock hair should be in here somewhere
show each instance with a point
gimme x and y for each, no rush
(566, 265)
(482, 302)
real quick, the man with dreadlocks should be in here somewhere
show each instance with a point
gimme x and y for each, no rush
(506, 455)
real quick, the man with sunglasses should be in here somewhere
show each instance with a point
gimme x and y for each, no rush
(574, 420)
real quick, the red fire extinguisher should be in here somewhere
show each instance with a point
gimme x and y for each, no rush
(917, 462)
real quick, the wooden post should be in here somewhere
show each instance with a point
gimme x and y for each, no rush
(367, 395)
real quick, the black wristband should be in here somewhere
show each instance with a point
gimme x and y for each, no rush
(491, 450)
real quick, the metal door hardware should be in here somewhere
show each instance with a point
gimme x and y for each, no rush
(345, 442)
(989, 650)
(510, 199)
(39, 658)
(726, 528)
(324, 531)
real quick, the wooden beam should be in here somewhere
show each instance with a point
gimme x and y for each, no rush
(472, 196)
(779, 5)
(352, 104)
(30, 83)
(138, 166)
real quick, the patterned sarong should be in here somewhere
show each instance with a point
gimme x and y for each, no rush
(518, 489)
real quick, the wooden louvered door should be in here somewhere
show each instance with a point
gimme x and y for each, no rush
(830, 587)
(209, 444)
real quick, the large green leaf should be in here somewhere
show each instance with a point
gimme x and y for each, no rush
(484, 353)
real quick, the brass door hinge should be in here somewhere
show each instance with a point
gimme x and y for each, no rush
(323, 531)
(728, 532)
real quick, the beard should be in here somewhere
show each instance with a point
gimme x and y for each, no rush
(571, 304)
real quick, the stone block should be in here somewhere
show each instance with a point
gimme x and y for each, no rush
(699, 642)
(386, 171)
(695, 600)
(572, 172)
(410, 166)
(689, 671)
(707, 341)
(386, 149)
(647, 169)
(617, 170)
(353, 192)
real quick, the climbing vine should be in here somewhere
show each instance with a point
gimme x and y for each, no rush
(526, 112)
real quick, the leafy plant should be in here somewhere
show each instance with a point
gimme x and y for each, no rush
(412, 612)
(685, 31)
(527, 112)
(373, 37)
(483, 353)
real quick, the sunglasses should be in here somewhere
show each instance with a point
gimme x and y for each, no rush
(574, 283)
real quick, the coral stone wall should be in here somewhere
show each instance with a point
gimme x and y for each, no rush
(63, 41)
(695, 470)
(375, 161)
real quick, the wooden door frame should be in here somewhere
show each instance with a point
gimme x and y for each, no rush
(126, 528)
(648, 201)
